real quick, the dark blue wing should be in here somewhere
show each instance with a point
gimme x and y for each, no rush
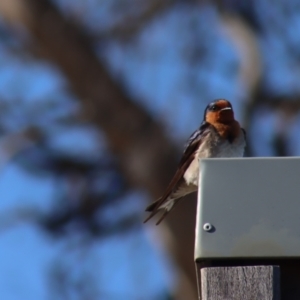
(188, 156)
(194, 142)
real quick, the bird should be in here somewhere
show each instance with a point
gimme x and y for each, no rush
(219, 135)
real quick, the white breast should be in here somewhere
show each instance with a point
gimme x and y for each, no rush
(235, 149)
(214, 148)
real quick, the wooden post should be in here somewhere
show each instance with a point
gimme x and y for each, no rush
(236, 283)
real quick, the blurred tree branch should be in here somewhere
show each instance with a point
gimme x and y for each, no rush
(130, 26)
(146, 156)
(132, 133)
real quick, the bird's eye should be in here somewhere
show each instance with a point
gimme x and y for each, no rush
(214, 108)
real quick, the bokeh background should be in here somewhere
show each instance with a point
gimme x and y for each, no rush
(97, 98)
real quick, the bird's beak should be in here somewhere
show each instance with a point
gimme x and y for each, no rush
(226, 108)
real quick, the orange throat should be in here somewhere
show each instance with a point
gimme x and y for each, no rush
(228, 130)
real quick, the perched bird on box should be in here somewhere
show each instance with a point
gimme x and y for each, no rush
(219, 135)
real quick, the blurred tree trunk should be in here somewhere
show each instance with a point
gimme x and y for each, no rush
(146, 156)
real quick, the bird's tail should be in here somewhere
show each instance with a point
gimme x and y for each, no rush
(159, 205)
(152, 206)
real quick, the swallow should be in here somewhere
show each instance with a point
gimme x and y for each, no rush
(219, 135)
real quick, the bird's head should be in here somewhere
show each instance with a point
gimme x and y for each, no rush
(219, 111)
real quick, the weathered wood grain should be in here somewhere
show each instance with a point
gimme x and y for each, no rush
(240, 283)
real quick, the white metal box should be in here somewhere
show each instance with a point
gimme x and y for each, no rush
(248, 207)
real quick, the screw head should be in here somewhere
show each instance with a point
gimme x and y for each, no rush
(207, 227)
